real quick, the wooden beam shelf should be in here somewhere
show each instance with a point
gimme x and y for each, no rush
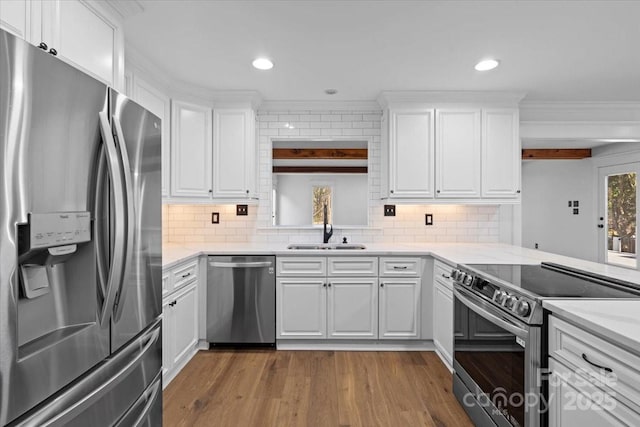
(556, 153)
(320, 153)
(319, 169)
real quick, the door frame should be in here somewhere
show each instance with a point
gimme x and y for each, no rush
(604, 171)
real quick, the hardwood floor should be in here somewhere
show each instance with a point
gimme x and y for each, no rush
(312, 388)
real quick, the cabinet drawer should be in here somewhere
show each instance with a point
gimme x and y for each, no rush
(184, 274)
(583, 350)
(301, 266)
(352, 266)
(442, 271)
(396, 266)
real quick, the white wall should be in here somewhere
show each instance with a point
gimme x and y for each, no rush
(294, 194)
(547, 186)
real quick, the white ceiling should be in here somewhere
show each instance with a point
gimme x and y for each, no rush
(553, 50)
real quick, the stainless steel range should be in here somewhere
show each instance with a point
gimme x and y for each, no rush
(500, 335)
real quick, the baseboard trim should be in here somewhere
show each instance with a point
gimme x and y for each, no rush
(341, 345)
(445, 362)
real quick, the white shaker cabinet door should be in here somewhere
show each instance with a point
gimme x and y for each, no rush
(501, 153)
(399, 308)
(15, 18)
(301, 308)
(411, 151)
(352, 308)
(234, 153)
(191, 150)
(443, 320)
(185, 316)
(86, 36)
(458, 153)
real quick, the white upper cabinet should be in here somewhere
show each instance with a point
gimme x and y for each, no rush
(234, 153)
(501, 153)
(85, 34)
(458, 153)
(154, 100)
(411, 151)
(191, 150)
(15, 17)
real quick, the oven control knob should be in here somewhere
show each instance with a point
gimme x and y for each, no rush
(522, 308)
(499, 297)
(467, 280)
(511, 301)
(455, 274)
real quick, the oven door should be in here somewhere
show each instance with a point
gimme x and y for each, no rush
(496, 363)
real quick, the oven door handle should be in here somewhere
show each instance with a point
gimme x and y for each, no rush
(484, 310)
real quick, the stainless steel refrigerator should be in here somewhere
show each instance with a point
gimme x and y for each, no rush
(80, 248)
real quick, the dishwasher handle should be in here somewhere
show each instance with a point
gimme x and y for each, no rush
(254, 264)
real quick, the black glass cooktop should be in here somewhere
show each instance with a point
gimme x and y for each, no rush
(555, 281)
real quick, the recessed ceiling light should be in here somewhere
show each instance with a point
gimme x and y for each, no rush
(487, 64)
(330, 91)
(262, 64)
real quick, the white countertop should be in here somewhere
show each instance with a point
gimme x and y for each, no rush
(617, 321)
(451, 253)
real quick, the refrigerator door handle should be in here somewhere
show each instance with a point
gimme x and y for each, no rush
(116, 269)
(130, 214)
(98, 226)
(88, 391)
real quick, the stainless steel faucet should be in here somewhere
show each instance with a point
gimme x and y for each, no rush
(326, 235)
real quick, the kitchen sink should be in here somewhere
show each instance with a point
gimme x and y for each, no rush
(325, 246)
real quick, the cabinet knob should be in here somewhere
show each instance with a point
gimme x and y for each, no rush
(391, 191)
(53, 52)
(329, 284)
(324, 285)
(600, 226)
(382, 285)
(247, 191)
(438, 191)
(210, 191)
(43, 46)
(518, 191)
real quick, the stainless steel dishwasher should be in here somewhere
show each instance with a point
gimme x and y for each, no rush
(241, 300)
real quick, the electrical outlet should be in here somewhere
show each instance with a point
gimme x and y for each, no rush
(215, 217)
(389, 210)
(575, 203)
(576, 211)
(242, 210)
(570, 204)
(428, 219)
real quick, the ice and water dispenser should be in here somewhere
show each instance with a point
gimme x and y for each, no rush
(57, 293)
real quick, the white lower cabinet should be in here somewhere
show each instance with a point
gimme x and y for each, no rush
(343, 298)
(352, 308)
(443, 320)
(179, 318)
(573, 401)
(399, 308)
(301, 308)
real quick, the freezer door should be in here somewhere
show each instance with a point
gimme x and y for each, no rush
(50, 332)
(137, 134)
(128, 383)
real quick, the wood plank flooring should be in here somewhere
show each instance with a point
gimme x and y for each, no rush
(312, 388)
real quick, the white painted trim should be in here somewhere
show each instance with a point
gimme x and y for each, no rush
(568, 111)
(485, 98)
(477, 201)
(571, 130)
(317, 105)
(445, 362)
(359, 345)
(125, 8)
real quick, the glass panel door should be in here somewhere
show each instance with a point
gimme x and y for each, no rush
(617, 220)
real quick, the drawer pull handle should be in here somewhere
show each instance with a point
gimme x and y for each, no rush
(186, 275)
(584, 356)
(445, 276)
(400, 267)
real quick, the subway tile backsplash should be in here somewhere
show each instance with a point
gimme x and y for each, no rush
(459, 223)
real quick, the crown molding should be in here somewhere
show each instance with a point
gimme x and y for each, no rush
(268, 105)
(125, 8)
(404, 97)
